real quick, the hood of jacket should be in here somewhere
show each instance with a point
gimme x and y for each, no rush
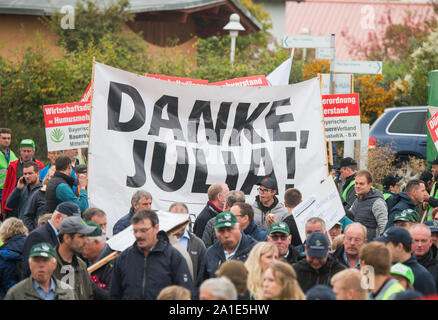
(12, 249)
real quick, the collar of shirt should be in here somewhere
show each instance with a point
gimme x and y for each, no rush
(287, 254)
(184, 240)
(357, 266)
(45, 295)
(54, 229)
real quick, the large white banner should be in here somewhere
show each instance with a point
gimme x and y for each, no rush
(175, 140)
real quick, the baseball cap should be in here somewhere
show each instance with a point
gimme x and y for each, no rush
(268, 182)
(320, 292)
(346, 162)
(27, 143)
(408, 215)
(317, 245)
(279, 227)
(433, 225)
(75, 225)
(43, 249)
(225, 219)
(395, 234)
(69, 208)
(404, 271)
(97, 232)
(390, 180)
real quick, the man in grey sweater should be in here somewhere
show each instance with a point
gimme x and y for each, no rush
(369, 208)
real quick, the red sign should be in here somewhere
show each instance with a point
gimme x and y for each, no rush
(87, 94)
(341, 105)
(177, 79)
(432, 125)
(67, 114)
(252, 81)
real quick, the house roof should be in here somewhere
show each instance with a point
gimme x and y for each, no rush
(345, 19)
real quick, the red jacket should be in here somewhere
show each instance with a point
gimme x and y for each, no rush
(11, 183)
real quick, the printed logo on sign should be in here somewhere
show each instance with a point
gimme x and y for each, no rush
(57, 135)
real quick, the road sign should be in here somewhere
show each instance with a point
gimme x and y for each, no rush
(325, 53)
(305, 41)
(371, 67)
(343, 83)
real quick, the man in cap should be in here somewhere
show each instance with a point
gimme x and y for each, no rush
(71, 269)
(406, 218)
(59, 188)
(404, 275)
(157, 262)
(41, 285)
(348, 169)
(279, 235)
(355, 237)
(267, 208)
(232, 244)
(399, 242)
(48, 232)
(375, 269)
(15, 171)
(319, 266)
(6, 155)
(433, 226)
(423, 249)
(390, 185)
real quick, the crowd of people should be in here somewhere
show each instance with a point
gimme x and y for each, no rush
(53, 245)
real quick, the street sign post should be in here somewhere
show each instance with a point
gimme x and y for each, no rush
(305, 41)
(325, 53)
(370, 67)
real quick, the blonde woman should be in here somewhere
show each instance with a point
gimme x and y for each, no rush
(280, 283)
(12, 234)
(260, 256)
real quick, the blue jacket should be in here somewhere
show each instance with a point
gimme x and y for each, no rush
(136, 277)
(215, 255)
(10, 255)
(255, 232)
(423, 279)
(400, 202)
(123, 222)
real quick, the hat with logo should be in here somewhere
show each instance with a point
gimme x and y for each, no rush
(395, 234)
(317, 245)
(432, 224)
(408, 215)
(43, 249)
(75, 225)
(97, 232)
(346, 162)
(320, 292)
(404, 271)
(27, 143)
(225, 219)
(69, 208)
(279, 227)
(268, 182)
(390, 180)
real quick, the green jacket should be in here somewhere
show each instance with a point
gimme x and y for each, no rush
(24, 290)
(4, 166)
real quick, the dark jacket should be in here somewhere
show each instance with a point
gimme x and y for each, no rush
(18, 199)
(45, 233)
(293, 255)
(255, 232)
(36, 207)
(52, 200)
(137, 277)
(400, 202)
(196, 249)
(209, 211)
(123, 222)
(215, 256)
(339, 255)
(351, 193)
(104, 273)
(424, 281)
(430, 262)
(26, 291)
(296, 239)
(309, 277)
(10, 259)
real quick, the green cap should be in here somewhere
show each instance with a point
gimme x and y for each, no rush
(279, 227)
(404, 271)
(97, 232)
(408, 215)
(43, 249)
(27, 143)
(225, 219)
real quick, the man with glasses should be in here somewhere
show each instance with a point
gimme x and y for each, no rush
(355, 237)
(279, 235)
(245, 216)
(267, 208)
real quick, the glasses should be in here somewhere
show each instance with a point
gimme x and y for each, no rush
(282, 237)
(355, 240)
(263, 190)
(143, 230)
